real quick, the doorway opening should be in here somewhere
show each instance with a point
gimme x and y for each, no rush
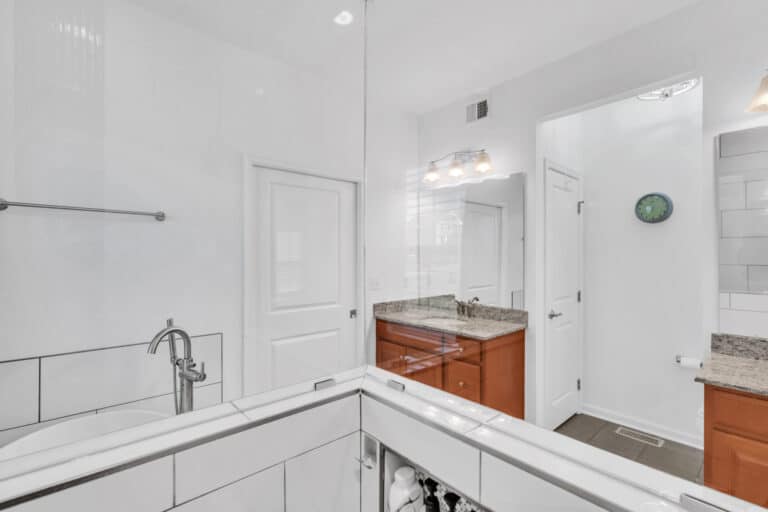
(613, 321)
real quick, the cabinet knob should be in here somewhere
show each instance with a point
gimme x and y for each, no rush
(462, 384)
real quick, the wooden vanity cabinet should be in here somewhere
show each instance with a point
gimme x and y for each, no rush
(736, 443)
(489, 372)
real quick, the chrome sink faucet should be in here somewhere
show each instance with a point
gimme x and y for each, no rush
(466, 308)
(186, 365)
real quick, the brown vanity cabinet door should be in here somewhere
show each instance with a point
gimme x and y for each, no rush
(424, 367)
(739, 467)
(390, 356)
(463, 379)
(504, 374)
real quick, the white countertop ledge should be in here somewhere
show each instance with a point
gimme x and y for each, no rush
(584, 470)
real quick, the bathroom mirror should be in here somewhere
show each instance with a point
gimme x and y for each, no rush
(615, 320)
(741, 163)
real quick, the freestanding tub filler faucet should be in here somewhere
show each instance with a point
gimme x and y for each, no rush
(187, 374)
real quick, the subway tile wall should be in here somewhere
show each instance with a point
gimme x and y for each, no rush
(56, 387)
(743, 246)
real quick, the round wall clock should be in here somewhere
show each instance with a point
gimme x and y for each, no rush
(653, 208)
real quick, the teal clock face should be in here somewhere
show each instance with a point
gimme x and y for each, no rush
(653, 208)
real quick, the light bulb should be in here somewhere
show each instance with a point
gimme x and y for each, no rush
(760, 101)
(433, 174)
(457, 168)
(483, 163)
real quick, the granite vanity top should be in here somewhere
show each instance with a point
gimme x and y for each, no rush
(737, 362)
(440, 315)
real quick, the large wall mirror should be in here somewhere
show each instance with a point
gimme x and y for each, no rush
(577, 288)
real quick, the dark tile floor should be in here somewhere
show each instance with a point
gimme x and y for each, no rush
(675, 458)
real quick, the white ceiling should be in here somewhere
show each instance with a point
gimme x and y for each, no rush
(422, 53)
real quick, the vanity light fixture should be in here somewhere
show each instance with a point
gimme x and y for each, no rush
(344, 18)
(480, 160)
(760, 101)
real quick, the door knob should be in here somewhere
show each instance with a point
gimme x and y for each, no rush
(552, 314)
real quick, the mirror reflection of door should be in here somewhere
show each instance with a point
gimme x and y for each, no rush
(481, 261)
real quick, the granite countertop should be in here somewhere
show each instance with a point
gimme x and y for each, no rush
(733, 372)
(444, 321)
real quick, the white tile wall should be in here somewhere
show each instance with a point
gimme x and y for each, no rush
(84, 381)
(745, 223)
(212, 465)
(325, 479)
(747, 302)
(455, 463)
(725, 300)
(19, 396)
(733, 277)
(757, 278)
(262, 491)
(508, 488)
(757, 194)
(148, 488)
(746, 323)
(732, 196)
(744, 251)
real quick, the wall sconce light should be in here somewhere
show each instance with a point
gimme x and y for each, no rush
(760, 101)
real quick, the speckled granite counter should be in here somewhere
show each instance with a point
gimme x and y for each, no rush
(737, 362)
(439, 314)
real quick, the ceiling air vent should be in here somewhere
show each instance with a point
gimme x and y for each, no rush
(477, 111)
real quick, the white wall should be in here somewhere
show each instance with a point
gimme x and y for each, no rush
(716, 39)
(144, 113)
(642, 303)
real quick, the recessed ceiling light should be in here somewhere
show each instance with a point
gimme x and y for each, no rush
(344, 18)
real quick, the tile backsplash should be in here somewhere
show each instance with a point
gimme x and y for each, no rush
(50, 388)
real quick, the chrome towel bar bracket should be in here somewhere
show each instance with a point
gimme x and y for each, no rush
(159, 216)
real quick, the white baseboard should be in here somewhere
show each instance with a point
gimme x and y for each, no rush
(696, 441)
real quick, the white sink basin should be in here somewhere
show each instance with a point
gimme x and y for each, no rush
(78, 429)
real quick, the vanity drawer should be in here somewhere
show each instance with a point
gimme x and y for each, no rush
(421, 339)
(464, 349)
(736, 412)
(463, 379)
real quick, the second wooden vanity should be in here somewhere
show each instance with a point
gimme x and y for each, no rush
(735, 379)
(488, 371)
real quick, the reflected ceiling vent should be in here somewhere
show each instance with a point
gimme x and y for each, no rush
(477, 111)
(669, 92)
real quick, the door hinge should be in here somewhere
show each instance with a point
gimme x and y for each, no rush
(578, 296)
(352, 313)
(578, 384)
(579, 206)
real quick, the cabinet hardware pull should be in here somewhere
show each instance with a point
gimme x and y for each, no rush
(461, 384)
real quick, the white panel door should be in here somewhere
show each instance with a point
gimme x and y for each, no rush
(481, 253)
(300, 278)
(326, 479)
(562, 347)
